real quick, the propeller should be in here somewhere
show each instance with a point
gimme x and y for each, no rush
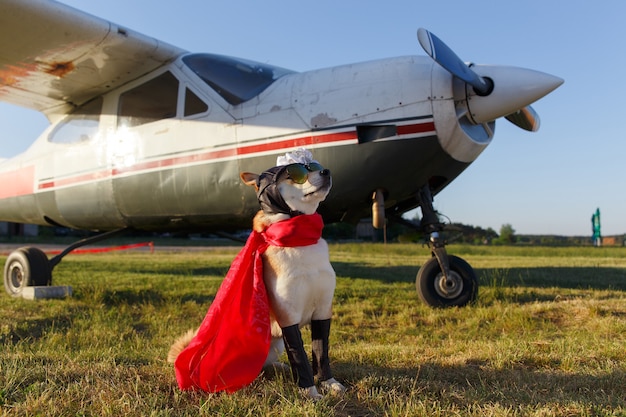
(445, 57)
(517, 87)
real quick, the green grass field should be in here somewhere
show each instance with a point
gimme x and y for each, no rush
(547, 337)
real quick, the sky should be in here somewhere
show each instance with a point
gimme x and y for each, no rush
(547, 182)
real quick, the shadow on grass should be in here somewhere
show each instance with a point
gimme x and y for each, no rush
(35, 328)
(115, 298)
(185, 271)
(598, 278)
(388, 274)
(130, 296)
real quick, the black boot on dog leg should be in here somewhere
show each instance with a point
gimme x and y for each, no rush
(320, 331)
(300, 366)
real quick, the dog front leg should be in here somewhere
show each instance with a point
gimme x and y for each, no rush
(300, 366)
(320, 332)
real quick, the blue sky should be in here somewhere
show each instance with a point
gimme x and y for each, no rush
(549, 182)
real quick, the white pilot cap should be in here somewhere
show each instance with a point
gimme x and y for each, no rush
(299, 156)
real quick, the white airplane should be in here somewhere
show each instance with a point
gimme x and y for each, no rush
(147, 136)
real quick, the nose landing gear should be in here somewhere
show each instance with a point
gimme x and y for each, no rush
(444, 280)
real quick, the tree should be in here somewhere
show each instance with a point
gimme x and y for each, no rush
(507, 235)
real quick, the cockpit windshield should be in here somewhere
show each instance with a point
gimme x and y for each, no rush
(236, 80)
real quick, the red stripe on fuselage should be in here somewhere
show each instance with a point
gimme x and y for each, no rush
(259, 148)
(18, 182)
(413, 129)
(92, 176)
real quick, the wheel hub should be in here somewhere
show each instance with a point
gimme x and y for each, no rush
(16, 276)
(451, 287)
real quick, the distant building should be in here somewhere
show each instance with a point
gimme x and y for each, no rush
(619, 240)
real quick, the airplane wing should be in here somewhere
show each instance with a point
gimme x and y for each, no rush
(53, 57)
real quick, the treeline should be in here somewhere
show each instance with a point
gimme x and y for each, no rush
(458, 233)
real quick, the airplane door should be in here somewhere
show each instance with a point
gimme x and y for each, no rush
(181, 170)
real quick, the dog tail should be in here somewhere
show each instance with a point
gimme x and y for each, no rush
(179, 345)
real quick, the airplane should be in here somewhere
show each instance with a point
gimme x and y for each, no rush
(146, 136)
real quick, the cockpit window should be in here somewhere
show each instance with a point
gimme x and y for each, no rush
(236, 80)
(151, 101)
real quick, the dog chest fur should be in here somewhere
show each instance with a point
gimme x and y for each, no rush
(300, 283)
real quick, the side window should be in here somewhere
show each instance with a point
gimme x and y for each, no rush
(149, 102)
(79, 126)
(193, 104)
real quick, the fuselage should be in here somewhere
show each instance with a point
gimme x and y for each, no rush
(165, 151)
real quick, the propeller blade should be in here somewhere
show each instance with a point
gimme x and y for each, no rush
(445, 57)
(526, 118)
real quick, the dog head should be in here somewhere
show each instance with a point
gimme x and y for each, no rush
(297, 185)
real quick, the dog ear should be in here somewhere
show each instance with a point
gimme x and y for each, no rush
(250, 178)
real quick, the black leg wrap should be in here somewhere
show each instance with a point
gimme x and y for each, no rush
(320, 331)
(300, 366)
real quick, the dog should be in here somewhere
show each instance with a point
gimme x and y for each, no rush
(299, 281)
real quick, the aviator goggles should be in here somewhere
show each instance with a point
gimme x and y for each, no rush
(299, 173)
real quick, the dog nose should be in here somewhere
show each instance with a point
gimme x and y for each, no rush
(325, 172)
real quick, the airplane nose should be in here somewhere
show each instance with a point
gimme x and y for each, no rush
(513, 89)
(489, 92)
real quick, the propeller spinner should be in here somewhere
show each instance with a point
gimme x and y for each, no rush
(499, 91)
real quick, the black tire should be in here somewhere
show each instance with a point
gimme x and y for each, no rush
(462, 288)
(26, 267)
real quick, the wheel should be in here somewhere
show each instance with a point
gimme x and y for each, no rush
(460, 289)
(26, 267)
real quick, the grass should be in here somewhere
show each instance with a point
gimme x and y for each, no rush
(547, 337)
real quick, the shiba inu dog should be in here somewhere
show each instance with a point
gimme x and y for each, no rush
(299, 280)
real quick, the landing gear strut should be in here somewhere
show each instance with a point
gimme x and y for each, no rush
(444, 280)
(30, 266)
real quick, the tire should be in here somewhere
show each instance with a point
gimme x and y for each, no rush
(26, 267)
(462, 291)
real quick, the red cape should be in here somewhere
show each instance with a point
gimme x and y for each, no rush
(233, 341)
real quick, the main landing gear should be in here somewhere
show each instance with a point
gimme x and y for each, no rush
(30, 266)
(444, 280)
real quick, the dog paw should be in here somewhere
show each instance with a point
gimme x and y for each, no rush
(311, 393)
(333, 386)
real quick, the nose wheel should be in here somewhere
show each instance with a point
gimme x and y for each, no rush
(456, 289)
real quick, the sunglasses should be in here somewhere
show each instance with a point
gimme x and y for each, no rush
(299, 173)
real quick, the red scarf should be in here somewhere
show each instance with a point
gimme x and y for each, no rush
(233, 341)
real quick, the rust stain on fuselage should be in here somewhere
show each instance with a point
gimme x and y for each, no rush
(12, 74)
(59, 69)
